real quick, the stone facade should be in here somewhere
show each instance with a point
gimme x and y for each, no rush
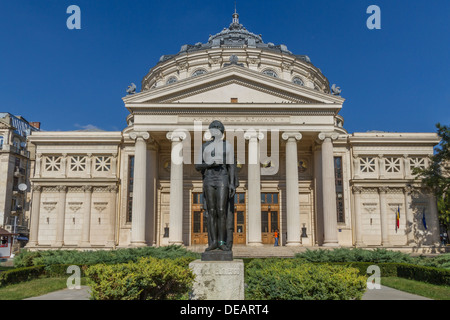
(301, 172)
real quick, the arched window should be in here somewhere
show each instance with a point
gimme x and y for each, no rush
(199, 72)
(171, 80)
(270, 72)
(298, 80)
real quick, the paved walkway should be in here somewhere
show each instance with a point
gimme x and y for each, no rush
(385, 293)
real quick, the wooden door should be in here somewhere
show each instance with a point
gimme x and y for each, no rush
(270, 217)
(239, 219)
(199, 226)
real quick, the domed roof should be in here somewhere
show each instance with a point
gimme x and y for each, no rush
(235, 36)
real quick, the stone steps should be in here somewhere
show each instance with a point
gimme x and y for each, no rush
(263, 251)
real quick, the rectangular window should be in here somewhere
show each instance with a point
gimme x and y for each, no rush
(130, 188)
(339, 189)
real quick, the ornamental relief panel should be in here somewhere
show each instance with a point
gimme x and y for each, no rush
(77, 166)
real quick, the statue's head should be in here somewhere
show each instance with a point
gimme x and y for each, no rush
(215, 127)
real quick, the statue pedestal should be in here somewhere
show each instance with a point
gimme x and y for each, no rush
(217, 255)
(218, 280)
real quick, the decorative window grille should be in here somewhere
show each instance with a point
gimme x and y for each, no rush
(339, 189)
(417, 163)
(102, 164)
(298, 80)
(199, 72)
(367, 165)
(52, 163)
(271, 73)
(130, 188)
(77, 163)
(392, 165)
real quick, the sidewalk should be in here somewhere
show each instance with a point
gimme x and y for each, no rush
(385, 293)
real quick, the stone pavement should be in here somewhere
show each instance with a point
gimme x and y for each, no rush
(385, 293)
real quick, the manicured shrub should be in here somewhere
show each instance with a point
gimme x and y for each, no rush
(51, 257)
(290, 279)
(147, 279)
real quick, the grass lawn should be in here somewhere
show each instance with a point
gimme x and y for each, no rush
(34, 288)
(423, 289)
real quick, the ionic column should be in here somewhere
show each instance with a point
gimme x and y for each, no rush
(110, 239)
(329, 190)
(86, 232)
(409, 216)
(35, 212)
(254, 188)
(357, 213)
(176, 188)
(292, 199)
(384, 217)
(318, 193)
(61, 215)
(139, 189)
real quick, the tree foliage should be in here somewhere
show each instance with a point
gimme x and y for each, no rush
(437, 175)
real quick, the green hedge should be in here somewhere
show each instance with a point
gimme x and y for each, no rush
(425, 274)
(147, 279)
(21, 274)
(289, 279)
(431, 275)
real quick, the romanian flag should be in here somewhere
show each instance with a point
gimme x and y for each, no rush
(397, 219)
(424, 220)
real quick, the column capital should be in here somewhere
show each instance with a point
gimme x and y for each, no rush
(331, 135)
(61, 189)
(36, 188)
(253, 134)
(383, 189)
(87, 188)
(136, 134)
(176, 136)
(291, 135)
(357, 189)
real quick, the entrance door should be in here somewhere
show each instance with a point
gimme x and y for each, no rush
(239, 219)
(270, 217)
(199, 222)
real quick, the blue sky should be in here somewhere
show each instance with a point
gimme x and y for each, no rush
(395, 79)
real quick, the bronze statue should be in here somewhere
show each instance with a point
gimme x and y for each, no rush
(220, 181)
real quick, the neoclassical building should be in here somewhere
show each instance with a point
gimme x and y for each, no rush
(300, 171)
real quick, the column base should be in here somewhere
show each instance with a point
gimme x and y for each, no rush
(331, 244)
(293, 244)
(135, 244)
(360, 244)
(176, 243)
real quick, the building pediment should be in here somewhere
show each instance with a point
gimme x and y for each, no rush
(233, 84)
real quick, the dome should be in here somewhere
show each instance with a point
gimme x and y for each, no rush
(235, 45)
(235, 36)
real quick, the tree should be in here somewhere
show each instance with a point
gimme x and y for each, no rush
(437, 175)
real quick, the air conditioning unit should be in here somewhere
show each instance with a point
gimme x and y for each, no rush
(9, 228)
